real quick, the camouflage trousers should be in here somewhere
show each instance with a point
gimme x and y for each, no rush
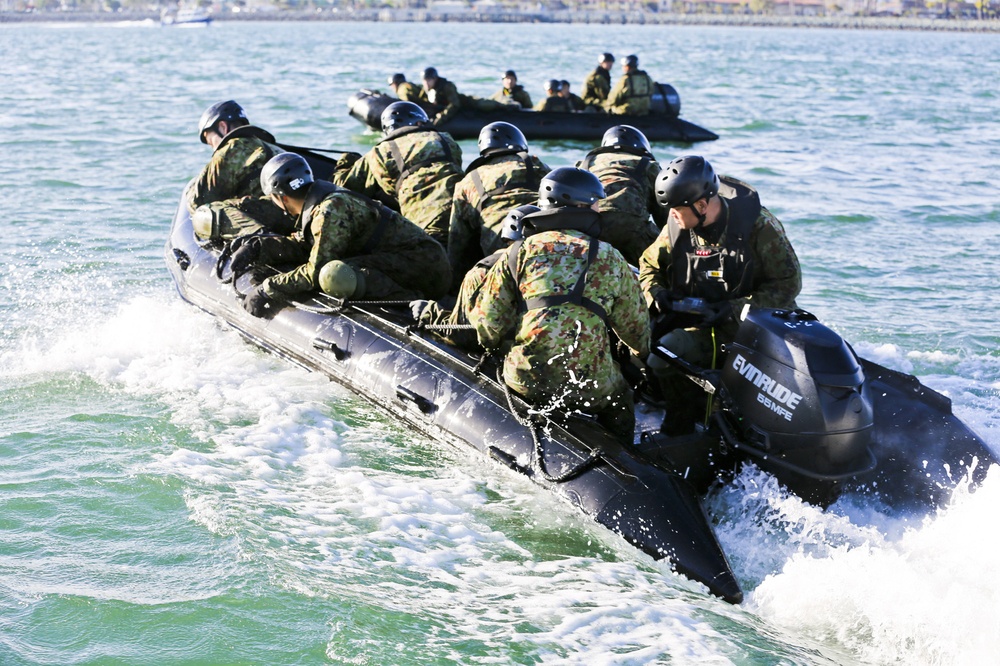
(390, 276)
(686, 402)
(629, 234)
(238, 217)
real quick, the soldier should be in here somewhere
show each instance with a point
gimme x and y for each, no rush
(403, 89)
(625, 166)
(349, 245)
(442, 93)
(503, 177)
(559, 291)
(575, 101)
(431, 313)
(225, 199)
(633, 94)
(552, 101)
(598, 83)
(512, 92)
(414, 164)
(721, 247)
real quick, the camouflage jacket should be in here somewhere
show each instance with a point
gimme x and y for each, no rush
(445, 98)
(409, 92)
(554, 103)
(518, 96)
(629, 183)
(775, 279)
(632, 95)
(492, 186)
(342, 225)
(561, 354)
(416, 166)
(234, 170)
(596, 87)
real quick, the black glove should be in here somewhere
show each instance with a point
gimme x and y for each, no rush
(718, 314)
(662, 303)
(258, 303)
(346, 161)
(244, 255)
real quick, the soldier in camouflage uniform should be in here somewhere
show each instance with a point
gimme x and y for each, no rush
(552, 101)
(633, 94)
(442, 93)
(721, 247)
(512, 93)
(432, 313)
(503, 177)
(625, 166)
(575, 102)
(349, 245)
(404, 90)
(225, 199)
(597, 85)
(414, 164)
(558, 292)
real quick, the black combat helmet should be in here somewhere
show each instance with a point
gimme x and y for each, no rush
(501, 136)
(512, 228)
(686, 180)
(627, 138)
(569, 186)
(431, 73)
(553, 85)
(228, 111)
(605, 57)
(402, 114)
(509, 74)
(287, 174)
(632, 61)
(396, 79)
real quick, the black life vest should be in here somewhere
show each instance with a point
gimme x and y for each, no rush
(322, 190)
(397, 154)
(717, 272)
(559, 219)
(531, 181)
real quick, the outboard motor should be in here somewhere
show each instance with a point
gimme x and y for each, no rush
(794, 394)
(666, 101)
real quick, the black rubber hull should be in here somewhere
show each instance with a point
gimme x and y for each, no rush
(367, 108)
(431, 387)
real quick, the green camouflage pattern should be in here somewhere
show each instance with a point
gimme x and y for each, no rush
(596, 87)
(468, 292)
(629, 201)
(406, 263)
(425, 195)
(517, 96)
(632, 95)
(232, 172)
(554, 103)
(561, 355)
(474, 233)
(445, 98)
(237, 217)
(410, 92)
(777, 278)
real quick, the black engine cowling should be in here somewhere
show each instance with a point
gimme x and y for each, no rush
(794, 392)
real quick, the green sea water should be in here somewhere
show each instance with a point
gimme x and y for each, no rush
(170, 495)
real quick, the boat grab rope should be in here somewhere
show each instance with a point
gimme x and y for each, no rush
(533, 426)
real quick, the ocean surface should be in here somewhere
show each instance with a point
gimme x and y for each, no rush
(171, 495)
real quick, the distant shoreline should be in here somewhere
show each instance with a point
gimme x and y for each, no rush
(582, 17)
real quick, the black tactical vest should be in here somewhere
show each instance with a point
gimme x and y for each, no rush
(714, 271)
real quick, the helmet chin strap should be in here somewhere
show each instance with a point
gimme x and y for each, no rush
(701, 217)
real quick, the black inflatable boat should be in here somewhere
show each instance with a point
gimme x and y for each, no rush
(792, 397)
(662, 124)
